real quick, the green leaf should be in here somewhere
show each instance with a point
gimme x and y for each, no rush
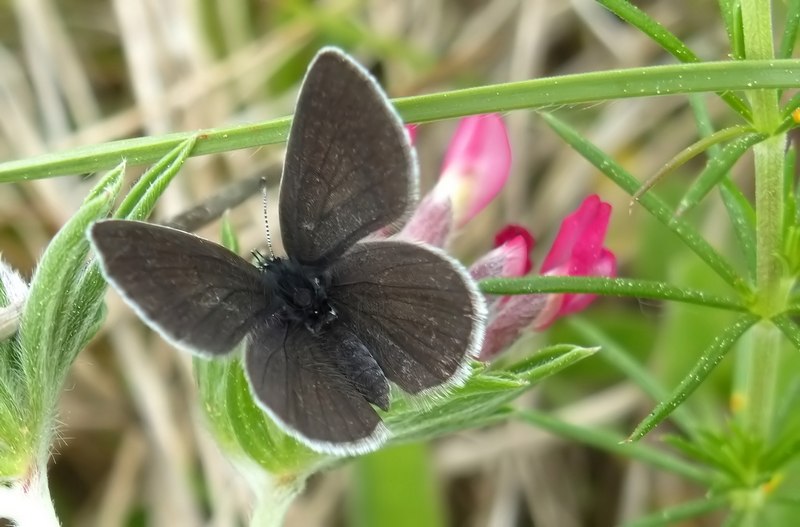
(613, 443)
(42, 350)
(536, 93)
(739, 209)
(228, 236)
(141, 199)
(684, 511)
(743, 219)
(650, 202)
(711, 357)
(707, 142)
(46, 320)
(667, 40)
(481, 401)
(379, 476)
(614, 354)
(731, 452)
(212, 377)
(792, 22)
(256, 434)
(137, 205)
(626, 287)
(732, 16)
(717, 169)
(789, 328)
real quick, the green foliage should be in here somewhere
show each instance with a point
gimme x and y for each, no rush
(63, 311)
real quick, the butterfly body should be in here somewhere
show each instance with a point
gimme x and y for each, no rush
(299, 293)
(328, 327)
(302, 300)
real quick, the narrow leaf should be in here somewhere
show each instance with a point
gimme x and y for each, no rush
(792, 22)
(789, 328)
(625, 287)
(651, 203)
(711, 357)
(614, 354)
(684, 511)
(739, 209)
(743, 219)
(142, 197)
(716, 169)
(45, 321)
(537, 93)
(481, 401)
(613, 443)
(667, 40)
(137, 205)
(705, 143)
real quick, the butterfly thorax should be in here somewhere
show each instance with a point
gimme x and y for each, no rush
(300, 293)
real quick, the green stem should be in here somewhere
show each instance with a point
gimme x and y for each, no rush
(770, 205)
(535, 93)
(762, 355)
(760, 378)
(625, 287)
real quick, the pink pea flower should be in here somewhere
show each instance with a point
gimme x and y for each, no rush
(577, 251)
(411, 130)
(475, 168)
(510, 257)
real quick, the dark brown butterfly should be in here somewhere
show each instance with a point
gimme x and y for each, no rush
(327, 327)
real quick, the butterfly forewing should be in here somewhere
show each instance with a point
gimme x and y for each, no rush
(414, 308)
(295, 379)
(349, 168)
(197, 294)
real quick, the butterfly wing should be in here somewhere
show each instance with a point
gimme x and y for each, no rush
(295, 379)
(198, 295)
(416, 310)
(349, 167)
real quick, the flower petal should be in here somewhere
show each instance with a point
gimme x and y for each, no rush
(578, 251)
(512, 258)
(476, 165)
(579, 241)
(510, 320)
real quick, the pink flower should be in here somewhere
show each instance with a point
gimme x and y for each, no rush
(577, 251)
(510, 257)
(411, 130)
(476, 165)
(475, 168)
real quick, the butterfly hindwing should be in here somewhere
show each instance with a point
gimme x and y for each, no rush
(294, 377)
(197, 294)
(413, 307)
(349, 167)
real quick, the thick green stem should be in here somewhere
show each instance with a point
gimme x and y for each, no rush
(769, 160)
(762, 358)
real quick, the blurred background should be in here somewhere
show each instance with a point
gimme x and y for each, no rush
(133, 449)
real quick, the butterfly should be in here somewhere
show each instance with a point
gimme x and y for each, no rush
(328, 327)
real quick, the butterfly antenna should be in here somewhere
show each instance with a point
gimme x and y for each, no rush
(266, 219)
